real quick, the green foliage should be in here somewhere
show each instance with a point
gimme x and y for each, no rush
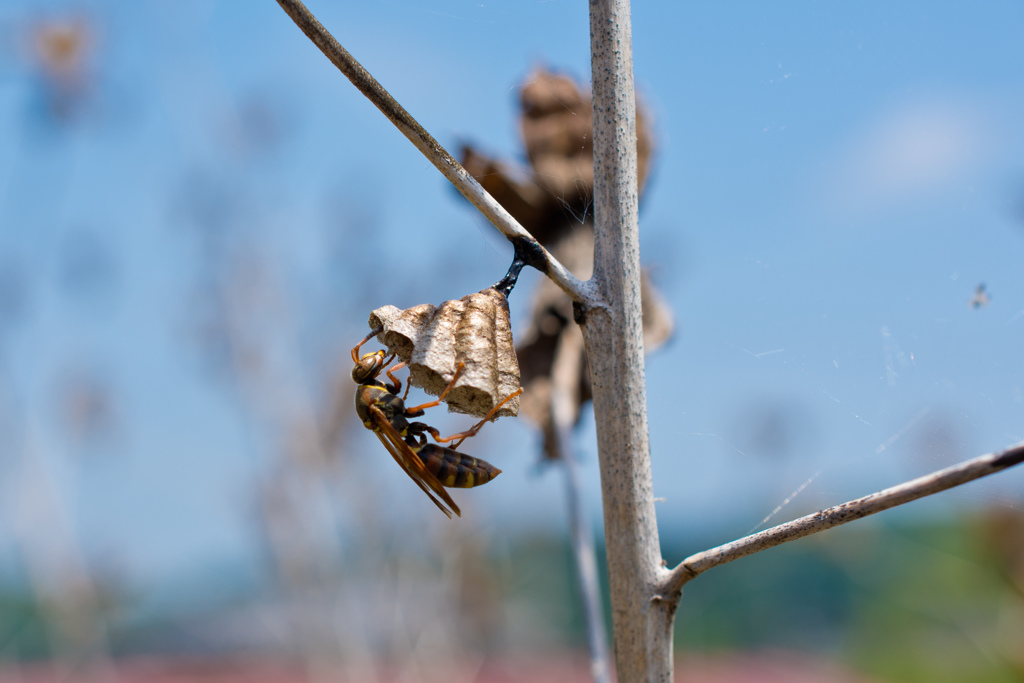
(23, 634)
(934, 602)
(899, 602)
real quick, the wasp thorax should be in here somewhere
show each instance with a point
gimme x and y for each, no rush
(474, 331)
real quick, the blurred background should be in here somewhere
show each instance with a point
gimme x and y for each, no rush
(198, 213)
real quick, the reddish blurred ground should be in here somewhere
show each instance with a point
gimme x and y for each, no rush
(771, 667)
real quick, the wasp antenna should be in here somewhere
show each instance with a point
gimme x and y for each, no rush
(373, 333)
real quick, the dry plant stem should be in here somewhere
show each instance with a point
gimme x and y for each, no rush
(847, 512)
(614, 343)
(451, 169)
(69, 598)
(565, 379)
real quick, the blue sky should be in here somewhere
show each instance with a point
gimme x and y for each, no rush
(832, 182)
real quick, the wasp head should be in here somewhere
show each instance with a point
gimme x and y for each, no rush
(368, 367)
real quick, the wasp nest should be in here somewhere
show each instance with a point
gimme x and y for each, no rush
(433, 340)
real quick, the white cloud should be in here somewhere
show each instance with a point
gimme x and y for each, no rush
(910, 152)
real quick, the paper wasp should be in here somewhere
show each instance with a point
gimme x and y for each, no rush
(430, 465)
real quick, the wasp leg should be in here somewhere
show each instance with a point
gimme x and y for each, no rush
(462, 436)
(396, 385)
(355, 349)
(418, 410)
(414, 432)
(398, 382)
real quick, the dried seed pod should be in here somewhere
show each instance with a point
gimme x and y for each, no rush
(550, 197)
(545, 340)
(474, 330)
(553, 200)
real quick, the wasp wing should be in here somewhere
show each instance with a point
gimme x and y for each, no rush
(410, 463)
(399, 457)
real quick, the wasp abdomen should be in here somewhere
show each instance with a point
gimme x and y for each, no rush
(453, 469)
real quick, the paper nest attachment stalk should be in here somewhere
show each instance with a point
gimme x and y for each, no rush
(474, 330)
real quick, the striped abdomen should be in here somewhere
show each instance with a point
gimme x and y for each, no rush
(453, 469)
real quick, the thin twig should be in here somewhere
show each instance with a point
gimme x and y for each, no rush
(565, 380)
(536, 255)
(841, 514)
